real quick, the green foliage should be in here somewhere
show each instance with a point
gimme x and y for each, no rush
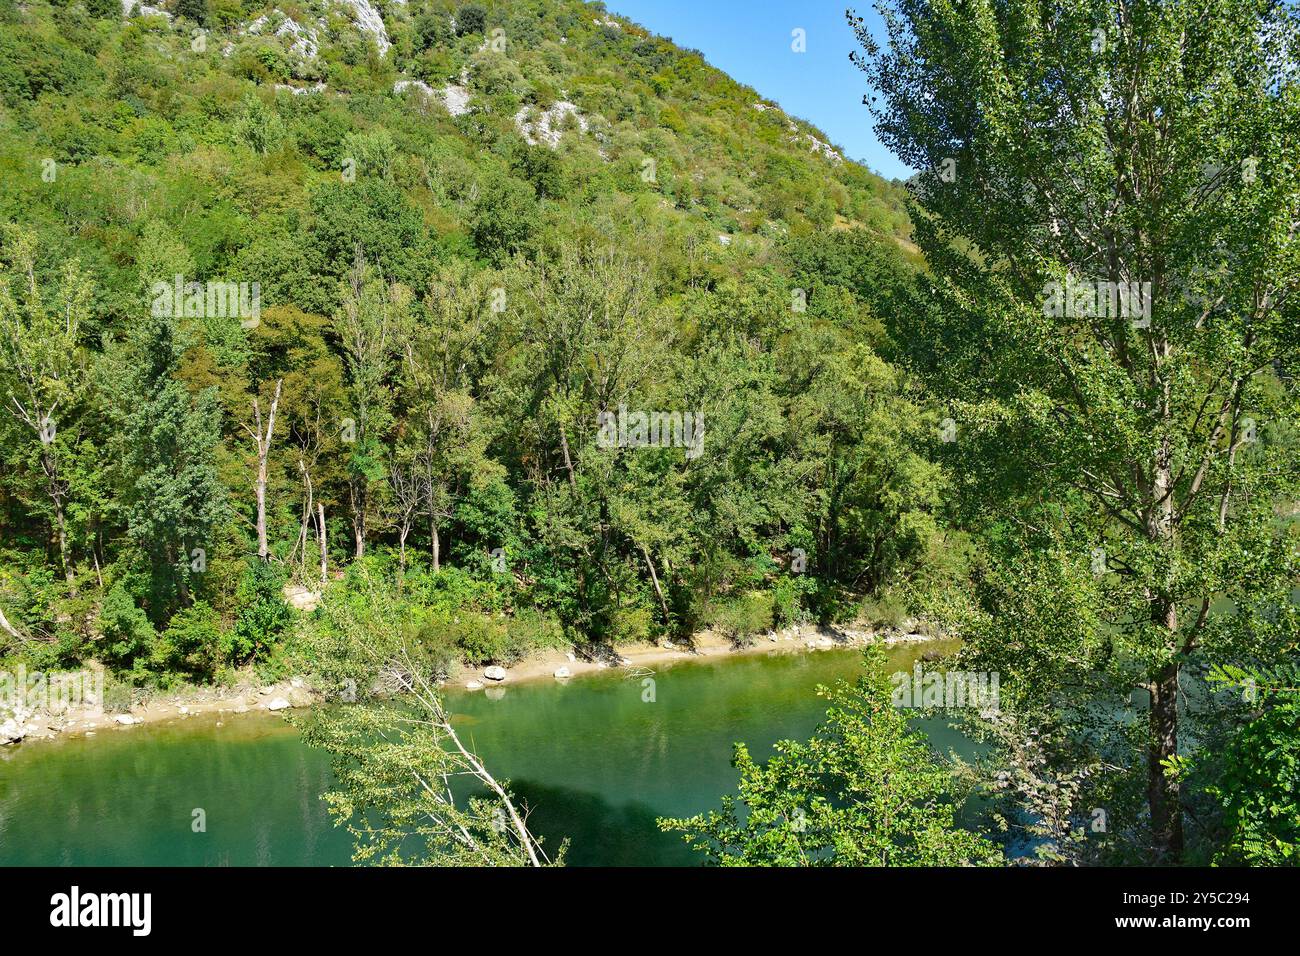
(190, 643)
(503, 216)
(470, 19)
(128, 635)
(1258, 789)
(263, 614)
(195, 10)
(741, 617)
(864, 790)
(1122, 465)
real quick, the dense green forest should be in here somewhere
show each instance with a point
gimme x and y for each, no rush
(445, 304)
(504, 326)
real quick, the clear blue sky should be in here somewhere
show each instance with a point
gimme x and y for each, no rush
(751, 40)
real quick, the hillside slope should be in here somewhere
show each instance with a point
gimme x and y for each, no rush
(469, 232)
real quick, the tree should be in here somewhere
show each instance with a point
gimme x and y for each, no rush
(196, 10)
(42, 370)
(864, 790)
(402, 771)
(1109, 207)
(368, 322)
(503, 216)
(441, 359)
(262, 441)
(470, 19)
(164, 450)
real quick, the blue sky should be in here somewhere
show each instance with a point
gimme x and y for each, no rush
(751, 40)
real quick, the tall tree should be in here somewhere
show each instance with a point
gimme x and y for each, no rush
(42, 370)
(1109, 204)
(166, 438)
(369, 321)
(440, 361)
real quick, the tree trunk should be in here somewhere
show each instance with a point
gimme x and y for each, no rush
(655, 578)
(1162, 791)
(358, 497)
(9, 628)
(436, 544)
(263, 441)
(324, 553)
(51, 468)
(1163, 797)
(61, 538)
(568, 461)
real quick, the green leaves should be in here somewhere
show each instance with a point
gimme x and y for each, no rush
(864, 790)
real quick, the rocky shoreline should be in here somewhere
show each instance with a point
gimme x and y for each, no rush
(89, 717)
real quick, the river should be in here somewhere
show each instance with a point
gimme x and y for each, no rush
(594, 760)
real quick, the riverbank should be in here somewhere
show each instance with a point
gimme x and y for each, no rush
(559, 665)
(91, 718)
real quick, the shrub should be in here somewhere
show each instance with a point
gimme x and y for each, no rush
(740, 618)
(470, 19)
(629, 624)
(190, 642)
(788, 600)
(263, 615)
(479, 638)
(128, 634)
(885, 610)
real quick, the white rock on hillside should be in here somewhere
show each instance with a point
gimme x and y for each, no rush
(369, 21)
(456, 99)
(143, 9)
(561, 673)
(548, 126)
(278, 704)
(304, 40)
(495, 673)
(300, 91)
(401, 86)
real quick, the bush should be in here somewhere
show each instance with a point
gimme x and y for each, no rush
(470, 19)
(531, 630)
(190, 642)
(263, 615)
(479, 638)
(740, 618)
(630, 625)
(788, 600)
(885, 610)
(128, 635)
(503, 216)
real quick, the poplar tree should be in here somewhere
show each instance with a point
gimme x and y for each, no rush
(1124, 462)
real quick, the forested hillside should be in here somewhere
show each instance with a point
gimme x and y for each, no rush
(332, 277)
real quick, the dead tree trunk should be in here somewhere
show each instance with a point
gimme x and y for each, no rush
(263, 443)
(324, 552)
(654, 577)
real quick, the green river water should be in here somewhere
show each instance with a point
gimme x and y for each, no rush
(593, 760)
